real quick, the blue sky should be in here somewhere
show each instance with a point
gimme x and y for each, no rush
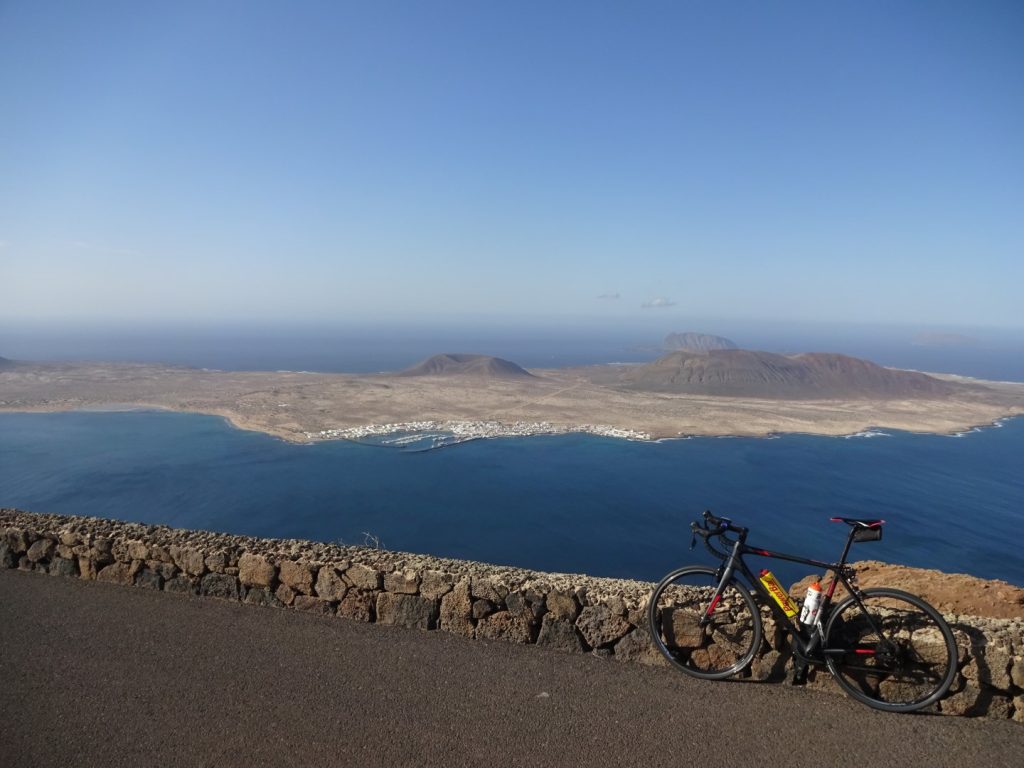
(336, 162)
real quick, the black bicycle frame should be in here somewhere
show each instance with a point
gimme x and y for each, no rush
(806, 640)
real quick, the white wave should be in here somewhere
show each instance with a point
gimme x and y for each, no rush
(997, 424)
(868, 433)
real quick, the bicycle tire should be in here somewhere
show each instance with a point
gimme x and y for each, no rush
(909, 664)
(722, 648)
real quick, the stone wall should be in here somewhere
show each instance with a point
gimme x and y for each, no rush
(573, 613)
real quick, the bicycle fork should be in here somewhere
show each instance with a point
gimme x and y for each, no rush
(724, 576)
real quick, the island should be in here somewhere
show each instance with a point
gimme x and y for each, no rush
(711, 390)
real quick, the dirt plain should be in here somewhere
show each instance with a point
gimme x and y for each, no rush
(291, 404)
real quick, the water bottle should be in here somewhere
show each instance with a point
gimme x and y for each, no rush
(809, 612)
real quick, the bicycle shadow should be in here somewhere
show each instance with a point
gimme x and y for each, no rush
(982, 670)
(776, 666)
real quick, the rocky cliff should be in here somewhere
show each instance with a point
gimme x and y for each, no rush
(951, 593)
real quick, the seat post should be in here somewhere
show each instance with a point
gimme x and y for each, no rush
(846, 549)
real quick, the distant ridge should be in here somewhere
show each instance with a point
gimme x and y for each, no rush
(812, 375)
(482, 366)
(697, 342)
(6, 364)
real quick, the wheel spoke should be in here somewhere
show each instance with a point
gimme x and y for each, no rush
(701, 635)
(899, 656)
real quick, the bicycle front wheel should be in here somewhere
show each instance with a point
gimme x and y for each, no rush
(891, 651)
(727, 641)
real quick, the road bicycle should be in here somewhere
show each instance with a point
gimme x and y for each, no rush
(884, 647)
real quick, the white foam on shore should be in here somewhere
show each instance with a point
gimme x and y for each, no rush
(454, 432)
(462, 431)
(997, 424)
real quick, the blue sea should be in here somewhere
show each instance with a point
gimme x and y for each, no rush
(571, 503)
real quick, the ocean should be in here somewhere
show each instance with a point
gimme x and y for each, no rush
(569, 503)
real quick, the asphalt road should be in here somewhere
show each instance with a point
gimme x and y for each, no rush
(95, 674)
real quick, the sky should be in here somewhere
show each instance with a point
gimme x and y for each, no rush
(332, 162)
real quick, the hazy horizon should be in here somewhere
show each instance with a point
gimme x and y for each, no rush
(537, 343)
(344, 165)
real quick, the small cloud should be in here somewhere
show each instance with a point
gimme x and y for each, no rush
(658, 303)
(609, 296)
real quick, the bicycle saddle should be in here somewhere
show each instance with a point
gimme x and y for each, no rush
(852, 521)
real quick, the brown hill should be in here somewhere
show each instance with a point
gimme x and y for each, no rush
(483, 366)
(813, 375)
(697, 342)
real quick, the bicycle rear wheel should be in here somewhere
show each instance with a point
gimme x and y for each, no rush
(898, 653)
(725, 645)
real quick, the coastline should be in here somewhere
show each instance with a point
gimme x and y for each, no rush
(620, 486)
(311, 407)
(466, 430)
